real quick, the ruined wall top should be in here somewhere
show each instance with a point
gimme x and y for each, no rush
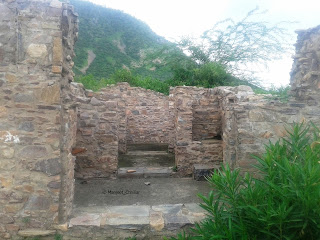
(305, 74)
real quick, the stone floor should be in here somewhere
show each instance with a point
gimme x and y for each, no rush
(136, 217)
(147, 208)
(146, 203)
(146, 155)
(149, 191)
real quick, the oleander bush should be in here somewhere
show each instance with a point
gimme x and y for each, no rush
(283, 202)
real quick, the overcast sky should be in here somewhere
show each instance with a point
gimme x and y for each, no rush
(175, 18)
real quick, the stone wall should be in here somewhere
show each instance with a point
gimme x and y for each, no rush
(144, 114)
(250, 121)
(36, 168)
(148, 119)
(50, 126)
(96, 147)
(112, 118)
(197, 135)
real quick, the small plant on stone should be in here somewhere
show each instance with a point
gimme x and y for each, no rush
(26, 220)
(58, 237)
(175, 168)
(282, 203)
(131, 238)
(281, 93)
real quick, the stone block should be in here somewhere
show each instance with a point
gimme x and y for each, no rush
(6, 219)
(157, 172)
(86, 220)
(38, 203)
(12, 227)
(194, 212)
(170, 209)
(6, 13)
(61, 227)
(156, 220)
(173, 222)
(78, 150)
(50, 25)
(26, 126)
(38, 51)
(201, 171)
(86, 131)
(123, 173)
(8, 153)
(54, 184)
(95, 102)
(56, 69)
(127, 217)
(36, 233)
(51, 167)
(56, 4)
(3, 112)
(48, 94)
(13, 208)
(5, 182)
(32, 152)
(11, 78)
(289, 111)
(24, 97)
(57, 51)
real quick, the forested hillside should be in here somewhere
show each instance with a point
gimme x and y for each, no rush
(115, 40)
(116, 47)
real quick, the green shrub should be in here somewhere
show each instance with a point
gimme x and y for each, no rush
(90, 82)
(123, 75)
(282, 203)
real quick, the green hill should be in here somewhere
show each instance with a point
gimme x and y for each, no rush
(114, 40)
(111, 42)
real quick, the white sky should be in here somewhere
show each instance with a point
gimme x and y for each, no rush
(175, 18)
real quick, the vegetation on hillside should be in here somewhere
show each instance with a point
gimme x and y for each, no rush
(126, 49)
(117, 39)
(282, 203)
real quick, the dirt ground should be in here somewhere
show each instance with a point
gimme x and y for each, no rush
(145, 191)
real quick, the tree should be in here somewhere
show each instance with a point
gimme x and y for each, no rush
(239, 46)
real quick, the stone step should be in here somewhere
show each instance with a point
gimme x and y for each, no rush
(146, 159)
(138, 219)
(147, 147)
(145, 172)
(202, 171)
(146, 153)
(36, 233)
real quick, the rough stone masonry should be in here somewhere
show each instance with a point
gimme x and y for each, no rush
(37, 115)
(52, 129)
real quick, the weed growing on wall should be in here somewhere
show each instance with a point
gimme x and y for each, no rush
(282, 203)
(281, 93)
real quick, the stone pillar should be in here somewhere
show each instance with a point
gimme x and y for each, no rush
(183, 127)
(34, 160)
(62, 64)
(305, 74)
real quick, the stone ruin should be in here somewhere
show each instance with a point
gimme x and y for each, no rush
(52, 130)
